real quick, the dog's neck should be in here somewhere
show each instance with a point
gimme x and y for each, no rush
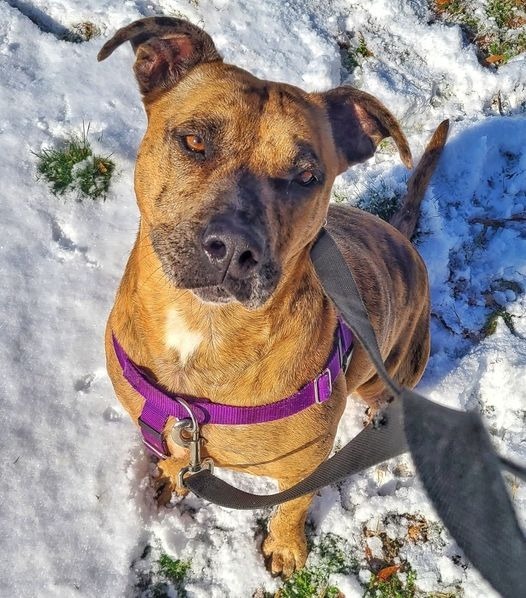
(226, 352)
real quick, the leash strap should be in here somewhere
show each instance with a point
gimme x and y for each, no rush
(374, 444)
(452, 452)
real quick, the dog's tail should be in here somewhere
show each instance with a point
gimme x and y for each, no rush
(406, 218)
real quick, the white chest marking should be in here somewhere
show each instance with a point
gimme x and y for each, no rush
(179, 336)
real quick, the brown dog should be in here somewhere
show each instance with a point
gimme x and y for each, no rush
(219, 298)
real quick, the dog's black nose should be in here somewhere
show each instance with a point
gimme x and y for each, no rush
(232, 250)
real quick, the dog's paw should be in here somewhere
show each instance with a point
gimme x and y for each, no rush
(283, 556)
(374, 412)
(163, 489)
(369, 415)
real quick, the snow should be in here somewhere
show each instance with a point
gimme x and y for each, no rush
(77, 509)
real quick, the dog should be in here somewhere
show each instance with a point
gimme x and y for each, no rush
(219, 298)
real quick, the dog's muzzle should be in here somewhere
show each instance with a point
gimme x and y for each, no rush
(228, 261)
(239, 260)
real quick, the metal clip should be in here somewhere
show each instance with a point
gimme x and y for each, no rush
(186, 433)
(345, 358)
(182, 432)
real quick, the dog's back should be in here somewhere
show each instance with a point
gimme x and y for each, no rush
(390, 275)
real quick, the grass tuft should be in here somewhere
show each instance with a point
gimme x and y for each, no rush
(380, 200)
(353, 51)
(74, 167)
(161, 577)
(392, 587)
(174, 570)
(490, 326)
(82, 32)
(333, 554)
(498, 37)
(501, 11)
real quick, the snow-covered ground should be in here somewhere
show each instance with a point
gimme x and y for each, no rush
(77, 511)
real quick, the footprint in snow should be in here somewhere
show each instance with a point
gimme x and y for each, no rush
(66, 246)
(84, 383)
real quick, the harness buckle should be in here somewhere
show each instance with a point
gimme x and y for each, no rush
(149, 435)
(152, 431)
(326, 373)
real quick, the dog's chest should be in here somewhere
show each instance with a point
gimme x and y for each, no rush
(291, 445)
(225, 364)
(180, 336)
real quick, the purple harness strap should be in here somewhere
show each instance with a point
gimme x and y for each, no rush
(159, 405)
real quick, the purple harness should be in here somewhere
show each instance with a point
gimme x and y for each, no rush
(159, 405)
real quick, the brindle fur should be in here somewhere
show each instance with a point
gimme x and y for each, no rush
(258, 340)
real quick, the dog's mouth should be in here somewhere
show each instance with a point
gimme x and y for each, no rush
(251, 293)
(213, 294)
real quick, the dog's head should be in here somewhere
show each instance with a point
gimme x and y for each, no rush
(234, 173)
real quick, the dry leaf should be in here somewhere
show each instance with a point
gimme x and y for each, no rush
(414, 532)
(102, 168)
(387, 572)
(494, 58)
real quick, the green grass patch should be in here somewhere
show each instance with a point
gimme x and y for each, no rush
(506, 48)
(158, 575)
(490, 326)
(353, 51)
(74, 167)
(170, 574)
(501, 11)
(393, 587)
(333, 554)
(380, 200)
(498, 37)
(310, 582)
(174, 570)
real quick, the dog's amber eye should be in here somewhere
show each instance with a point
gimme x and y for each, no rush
(195, 143)
(305, 178)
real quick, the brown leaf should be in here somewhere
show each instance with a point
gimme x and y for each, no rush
(101, 167)
(413, 531)
(387, 572)
(493, 58)
(417, 531)
(441, 6)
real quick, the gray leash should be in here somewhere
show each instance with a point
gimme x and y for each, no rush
(451, 450)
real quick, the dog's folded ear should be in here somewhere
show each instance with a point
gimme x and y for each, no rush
(359, 122)
(165, 50)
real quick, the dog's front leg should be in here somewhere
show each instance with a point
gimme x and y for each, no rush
(167, 480)
(285, 547)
